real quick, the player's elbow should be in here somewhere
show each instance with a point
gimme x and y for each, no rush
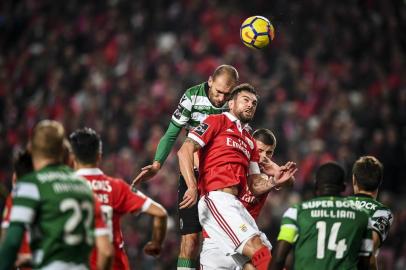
(161, 212)
(182, 152)
(157, 211)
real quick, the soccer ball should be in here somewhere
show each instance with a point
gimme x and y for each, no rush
(257, 32)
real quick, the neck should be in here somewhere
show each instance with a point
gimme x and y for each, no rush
(79, 166)
(40, 163)
(373, 194)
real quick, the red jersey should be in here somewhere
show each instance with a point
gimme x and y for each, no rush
(226, 153)
(252, 203)
(116, 199)
(25, 246)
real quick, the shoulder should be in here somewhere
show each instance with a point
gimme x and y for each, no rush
(292, 212)
(29, 177)
(196, 90)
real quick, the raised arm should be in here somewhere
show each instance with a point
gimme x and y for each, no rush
(186, 165)
(164, 148)
(273, 176)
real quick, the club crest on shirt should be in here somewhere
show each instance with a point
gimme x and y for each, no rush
(243, 227)
(251, 143)
(201, 129)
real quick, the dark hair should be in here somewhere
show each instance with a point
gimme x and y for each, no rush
(265, 136)
(226, 69)
(86, 145)
(242, 87)
(23, 164)
(330, 179)
(368, 173)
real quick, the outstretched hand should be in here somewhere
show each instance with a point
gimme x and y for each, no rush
(285, 174)
(147, 173)
(281, 174)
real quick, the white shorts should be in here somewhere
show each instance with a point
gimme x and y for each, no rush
(213, 256)
(229, 226)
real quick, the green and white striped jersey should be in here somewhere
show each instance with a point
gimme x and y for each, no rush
(58, 208)
(194, 107)
(381, 215)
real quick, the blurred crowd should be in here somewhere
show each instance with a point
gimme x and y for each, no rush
(332, 87)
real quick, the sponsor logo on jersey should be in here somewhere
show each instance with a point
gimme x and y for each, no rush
(201, 129)
(201, 107)
(240, 144)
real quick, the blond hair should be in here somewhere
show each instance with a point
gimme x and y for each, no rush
(48, 140)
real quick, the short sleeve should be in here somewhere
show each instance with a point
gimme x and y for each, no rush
(207, 130)
(183, 112)
(381, 222)
(289, 231)
(26, 198)
(128, 201)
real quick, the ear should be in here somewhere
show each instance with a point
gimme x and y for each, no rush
(231, 104)
(343, 187)
(210, 81)
(354, 184)
(99, 158)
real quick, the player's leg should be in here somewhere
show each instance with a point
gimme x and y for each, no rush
(190, 230)
(213, 258)
(259, 253)
(227, 221)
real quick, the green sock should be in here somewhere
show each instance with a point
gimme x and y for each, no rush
(186, 264)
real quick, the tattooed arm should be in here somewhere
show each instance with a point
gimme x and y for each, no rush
(186, 164)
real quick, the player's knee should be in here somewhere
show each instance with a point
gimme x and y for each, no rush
(190, 245)
(252, 245)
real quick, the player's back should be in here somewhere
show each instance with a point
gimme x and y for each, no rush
(60, 208)
(381, 216)
(116, 199)
(331, 234)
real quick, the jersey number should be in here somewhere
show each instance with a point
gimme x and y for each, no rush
(107, 211)
(75, 219)
(332, 245)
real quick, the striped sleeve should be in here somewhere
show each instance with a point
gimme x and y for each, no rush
(382, 220)
(289, 231)
(26, 197)
(182, 114)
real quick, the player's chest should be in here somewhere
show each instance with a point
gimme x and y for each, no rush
(201, 111)
(233, 138)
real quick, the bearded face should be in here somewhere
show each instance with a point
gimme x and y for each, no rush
(243, 106)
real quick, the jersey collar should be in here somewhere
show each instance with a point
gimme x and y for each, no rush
(89, 171)
(238, 122)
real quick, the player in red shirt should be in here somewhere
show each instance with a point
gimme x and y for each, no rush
(227, 156)
(266, 144)
(115, 196)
